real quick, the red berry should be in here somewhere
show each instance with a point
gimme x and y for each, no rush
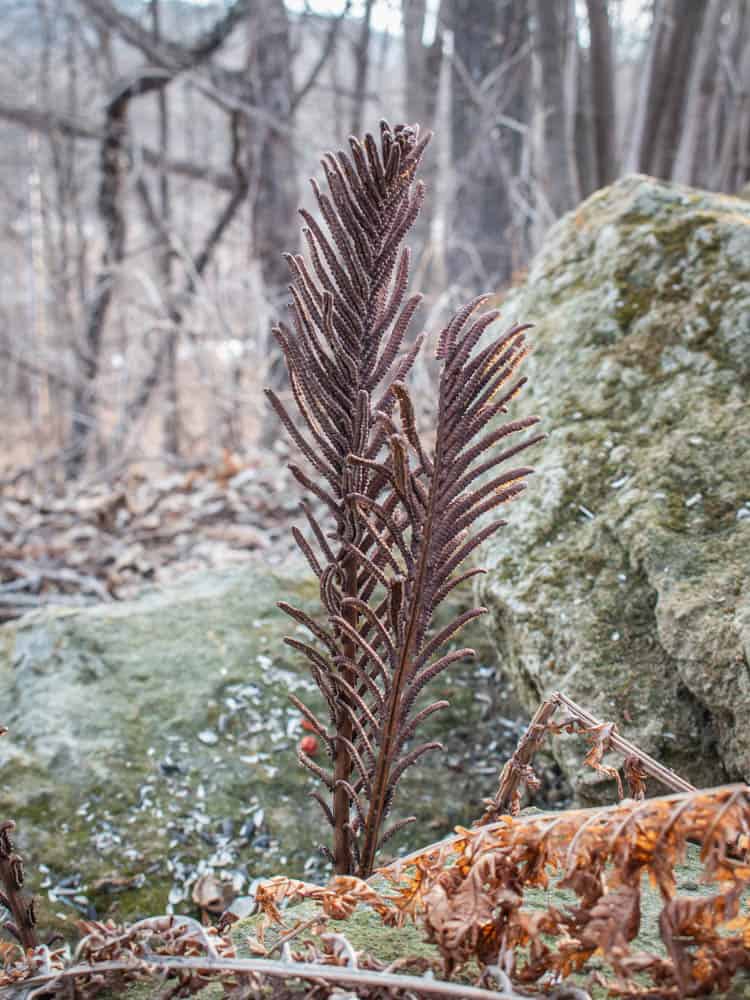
(309, 745)
(306, 724)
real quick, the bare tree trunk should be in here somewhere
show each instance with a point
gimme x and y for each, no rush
(272, 158)
(422, 62)
(556, 169)
(422, 72)
(602, 92)
(73, 96)
(171, 418)
(38, 390)
(742, 174)
(336, 96)
(699, 98)
(489, 111)
(689, 15)
(726, 108)
(571, 75)
(361, 67)
(653, 83)
(730, 161)
(272, 147)
(583, 131)
(110, 211)
(661, 100)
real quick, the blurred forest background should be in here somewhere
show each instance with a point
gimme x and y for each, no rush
(154, 153)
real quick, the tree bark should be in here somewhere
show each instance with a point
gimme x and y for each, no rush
(699, 98)
(171, 417)
(489, 110)
(583, 131)
(661, 100)
(422, 62)
(271, 164)
(422, 80)
(730, 159)
(361, 68)
(556, 167)
(602, 92)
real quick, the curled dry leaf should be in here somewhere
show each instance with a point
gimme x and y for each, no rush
(211, 894)
(338, 899)
(599, 738)
(636, 775)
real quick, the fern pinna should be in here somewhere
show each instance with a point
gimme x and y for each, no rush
(401, 517)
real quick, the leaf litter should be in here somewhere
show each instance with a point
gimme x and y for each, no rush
(91, 542)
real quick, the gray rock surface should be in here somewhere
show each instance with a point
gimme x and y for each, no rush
(151, 741)
(624, 576)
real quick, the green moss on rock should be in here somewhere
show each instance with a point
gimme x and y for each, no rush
(153, 740)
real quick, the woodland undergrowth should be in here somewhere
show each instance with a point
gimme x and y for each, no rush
(394, 513)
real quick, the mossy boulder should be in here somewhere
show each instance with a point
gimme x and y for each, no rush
(152, 741)
(624, 577)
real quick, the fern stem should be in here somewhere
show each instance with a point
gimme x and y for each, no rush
(380, 784)
(342, 845)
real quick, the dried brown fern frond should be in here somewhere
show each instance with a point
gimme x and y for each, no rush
(470, 892)
(601, 736)
(173, 956)
(401, 517)
(422, 531)
(350, 318)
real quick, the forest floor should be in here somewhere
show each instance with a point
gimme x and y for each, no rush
(106, 540)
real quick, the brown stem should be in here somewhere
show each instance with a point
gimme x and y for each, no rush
(380, 785)
(376, 810)
(506, 795)
(343, 861)
(11, 879)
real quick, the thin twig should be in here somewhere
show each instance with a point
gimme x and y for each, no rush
(285, 938)
(278, 970)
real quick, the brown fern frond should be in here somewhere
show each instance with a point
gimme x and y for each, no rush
(350, 320)
(470, 894)
(401, 515)
(435, 512)
(469, 891)
(601, 736)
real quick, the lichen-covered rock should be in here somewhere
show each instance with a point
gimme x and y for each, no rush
(624, 578)
(152, 740)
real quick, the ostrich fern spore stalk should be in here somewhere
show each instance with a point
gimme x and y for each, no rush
(401, 518)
